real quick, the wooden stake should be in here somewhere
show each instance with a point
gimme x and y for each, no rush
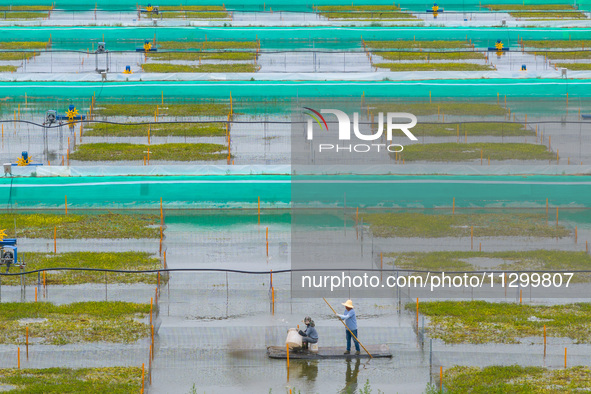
(18, 356)
(471, 237)
(27, 342)
(55, 239)
(453, 206)
(544, 340)
(66, 205)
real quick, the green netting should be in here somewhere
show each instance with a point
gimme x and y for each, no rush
(528, 89)
(129, 38)
(279, 5)
(234, 191)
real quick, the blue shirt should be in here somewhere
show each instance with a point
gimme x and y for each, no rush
(350, 319)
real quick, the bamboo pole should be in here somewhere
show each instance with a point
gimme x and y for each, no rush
(27, 342)
(335, 312)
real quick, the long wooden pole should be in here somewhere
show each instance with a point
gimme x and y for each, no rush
(351, 332)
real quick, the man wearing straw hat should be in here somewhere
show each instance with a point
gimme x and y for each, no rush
(351, 321)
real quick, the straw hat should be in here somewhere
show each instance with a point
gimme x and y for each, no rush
(348, 304)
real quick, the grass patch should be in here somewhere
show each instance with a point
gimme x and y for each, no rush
(336, 8)
(191, 8)
(471, 129)
(564, 54)
(156, 130)
(454, 152)
(78, 322)
(198, 109)
(101, 260)
(23, 15)
(542, 260)
(370, 15)
(529, 7)
(575, 66)
(197, 45)
(549, 15)
(195, 56)
(418, 224)
(546, 44)
(448, 108)
(516, 379)
(10, 56)
(194, 15)
(75, 226)
(26, 8)
(170, 152)
(6, 69)
(203, 68)
(484, 322)
(106, 380)
(434, 66)
(20, 45)
(404, 44)
(399, 55)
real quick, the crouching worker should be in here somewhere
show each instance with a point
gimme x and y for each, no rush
(310, 335)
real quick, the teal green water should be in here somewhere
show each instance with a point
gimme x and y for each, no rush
(128, 38)
(243, 191)
(528, 89)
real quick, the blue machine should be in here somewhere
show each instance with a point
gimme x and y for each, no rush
(8, 253)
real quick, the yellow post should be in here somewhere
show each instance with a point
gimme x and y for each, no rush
(66, 205)
(151, 308)
(576, 234)
(471, 237)
(287, 351)
(520, 296)
(429, 97)
(18, 356)
(544, 340)
(453, 206)
(55, 239)
(143, 377)
(27, 342)
(440, 378)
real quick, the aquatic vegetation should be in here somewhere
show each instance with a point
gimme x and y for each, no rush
(163, 129)
(101, 260)
(199, 45)
(193, 109)
(202, 68)
(76, 226)
(104, 321)
(485, 322)
(546, 44)
(447, 108)
(400, 55)
(431, 44)
(171, 152)
(451, 151)
(543, 260)
(470, 129)
(516, 379)
(195, 56)
(434, 66)
(417, 224)
(106, 380)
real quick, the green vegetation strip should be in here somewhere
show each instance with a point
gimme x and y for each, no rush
(370, 15)
(169, 152)
(6, 69)
(542, 260)
(76, 226)
(404, 44)
(129, 261)
(106, 380)
(516, 379)
(195, 56)
(529, 7)
(547, 44)
(564, 54)
(455, 152)
(197, 109)
(485, 322)
(192, 8)
(199, 45)
(549, 15)
(23, 45)
(194, 15)
(470, 129)
(447, 108)
(10, 56)
(26, 8)
(203, 68)
(575, 66)
(51, 324)
(168, 129)
(333, 8)
(23, 15)
(434, 66)
(399, 55)
(418, 224)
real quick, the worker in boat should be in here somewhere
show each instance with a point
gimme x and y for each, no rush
(310, 335)
(351, 321)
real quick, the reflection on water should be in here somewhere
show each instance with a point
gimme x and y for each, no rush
(351, 376)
